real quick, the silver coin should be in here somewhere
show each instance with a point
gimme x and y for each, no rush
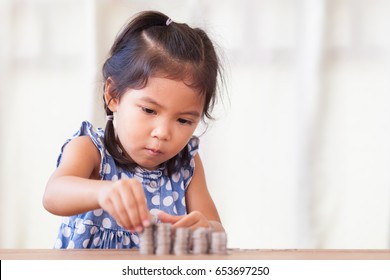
(146, 246)
(181, 241)
(163, 238)
(200, 241)
(218, 243)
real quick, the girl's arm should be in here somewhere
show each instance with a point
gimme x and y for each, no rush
(75, 187)
(72, 189)
(198, 198)
(200, 206)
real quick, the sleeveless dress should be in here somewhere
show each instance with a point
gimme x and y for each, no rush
(97, 229)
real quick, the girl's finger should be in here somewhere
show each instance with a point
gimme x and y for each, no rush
(130, 208)
(121, 212)
(167, 218)
(110, 208)
(142, 207)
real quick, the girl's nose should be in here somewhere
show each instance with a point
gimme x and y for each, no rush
(161, 131)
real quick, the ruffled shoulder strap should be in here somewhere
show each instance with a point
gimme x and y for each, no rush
(97, 137)
(193, 145)
(188, 170)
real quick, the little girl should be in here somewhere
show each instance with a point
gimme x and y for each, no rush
(160, 82)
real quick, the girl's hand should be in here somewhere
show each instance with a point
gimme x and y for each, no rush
(125, 201)
(193, 220)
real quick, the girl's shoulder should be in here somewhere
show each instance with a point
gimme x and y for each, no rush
(88, 141)
(81, 144)
(85, 136)
(81, 155)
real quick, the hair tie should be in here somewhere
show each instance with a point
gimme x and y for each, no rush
(169, 21)
(109, 117)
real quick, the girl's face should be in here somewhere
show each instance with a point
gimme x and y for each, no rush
(155, 123)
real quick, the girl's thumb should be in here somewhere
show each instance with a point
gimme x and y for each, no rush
(167, 218)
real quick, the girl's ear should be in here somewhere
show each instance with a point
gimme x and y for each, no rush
(109, 95)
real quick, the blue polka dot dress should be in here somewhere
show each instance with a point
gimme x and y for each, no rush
(97, 229)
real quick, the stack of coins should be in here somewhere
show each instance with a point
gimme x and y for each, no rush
(182, 241)
(163, 238)
(146, 246)
(218, 243)
(157, 239)
(200, 241)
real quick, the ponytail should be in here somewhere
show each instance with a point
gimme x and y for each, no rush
(112, 147)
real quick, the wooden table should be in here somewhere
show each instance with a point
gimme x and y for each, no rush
(233, 254)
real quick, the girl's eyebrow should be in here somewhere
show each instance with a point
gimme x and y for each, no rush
(151, 100)
(192, 113)
(154, 102)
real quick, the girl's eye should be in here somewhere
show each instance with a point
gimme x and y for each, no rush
(184, 121)
(148, 111)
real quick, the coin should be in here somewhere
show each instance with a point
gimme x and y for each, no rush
(182, 241)
(146, 246)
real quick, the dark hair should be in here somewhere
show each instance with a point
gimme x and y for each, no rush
(150, 45)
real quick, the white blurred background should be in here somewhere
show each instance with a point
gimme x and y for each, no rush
(299, 156)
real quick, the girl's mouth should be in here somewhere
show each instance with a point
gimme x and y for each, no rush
(154, 152)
